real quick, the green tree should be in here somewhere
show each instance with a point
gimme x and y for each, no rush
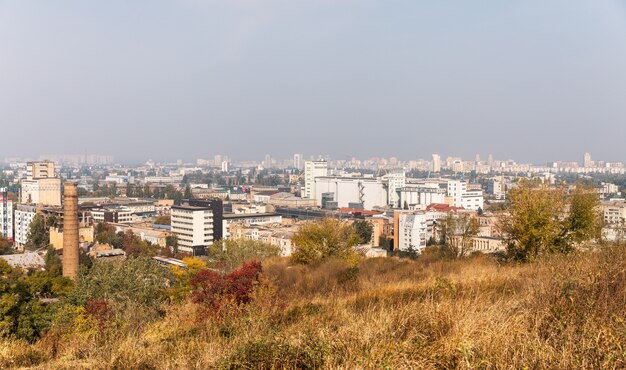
(163, 220)
(534, 223)
(364, 230)
(230, 254)
(323, 239)
(188, 194)
(131, 286)
(457, 233)
(584, 219)
(38, 232)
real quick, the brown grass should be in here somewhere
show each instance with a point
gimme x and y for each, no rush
(560, 312)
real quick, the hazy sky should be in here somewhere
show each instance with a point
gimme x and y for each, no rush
(534, 80)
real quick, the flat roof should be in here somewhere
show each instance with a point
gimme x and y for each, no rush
(249, 215)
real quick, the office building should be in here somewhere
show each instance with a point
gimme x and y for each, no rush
(197, 224)
(313, 169)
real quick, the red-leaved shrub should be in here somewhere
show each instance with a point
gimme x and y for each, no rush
(210, 288)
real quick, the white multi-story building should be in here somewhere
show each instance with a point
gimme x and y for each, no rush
(614, 212)
(395, 180)
(436, 167)
(412, 232)
(44, 191)
(421, 195)
(6, 215)
(24, 215)
(462, 197)
(193, 227)
(313, 169)
(369, 192)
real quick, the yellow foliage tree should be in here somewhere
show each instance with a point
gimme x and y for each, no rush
(181, 288)
(327, 238)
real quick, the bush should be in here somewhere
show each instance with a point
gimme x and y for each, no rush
(211, 288)
(137, 283)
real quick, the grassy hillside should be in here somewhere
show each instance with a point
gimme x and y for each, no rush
(559, 312)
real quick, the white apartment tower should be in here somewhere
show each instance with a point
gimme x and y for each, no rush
(436, 163)
(396, 180)
(24, 215)
(6, 215)
(313, 169)
(587, 162)
(193, 226)
(297, 161)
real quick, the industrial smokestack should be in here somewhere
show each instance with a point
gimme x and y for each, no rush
(70, 230)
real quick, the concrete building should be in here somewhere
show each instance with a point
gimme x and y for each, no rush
(113, 215)
(614, 212)
(351, 192)
(24, 215)
(421, 195)
(396, 179)
(193, 226)
(496, 188)
(155, 235)
(461, 196)
(249, 219)
(44, 191)
(40, 170)
(312, 170)
(436, 165)
(197, 224)
(411, 233)
(6, 215)
(85, 235)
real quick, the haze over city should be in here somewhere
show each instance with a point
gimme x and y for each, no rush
(530, 80)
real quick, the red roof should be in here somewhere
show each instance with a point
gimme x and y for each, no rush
(443, 208)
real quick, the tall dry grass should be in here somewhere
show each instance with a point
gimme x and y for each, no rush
(560, 312)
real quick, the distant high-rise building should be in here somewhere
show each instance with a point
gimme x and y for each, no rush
(313, 169)
(477, 159)
(587, 162)
(225, 166)
(39, 170)
(490, 160)
(267, 162)
(436, 163)
(297, 161)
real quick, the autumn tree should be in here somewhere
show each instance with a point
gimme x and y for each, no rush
(181, 277)
(323, 239)
(457, 233)
(544, 220)
(584, 219)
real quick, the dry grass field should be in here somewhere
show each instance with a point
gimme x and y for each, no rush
(565, 312)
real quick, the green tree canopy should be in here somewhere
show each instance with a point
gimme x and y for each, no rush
(323, 239)
(364, 230)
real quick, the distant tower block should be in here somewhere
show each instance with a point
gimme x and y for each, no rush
(70, 230)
